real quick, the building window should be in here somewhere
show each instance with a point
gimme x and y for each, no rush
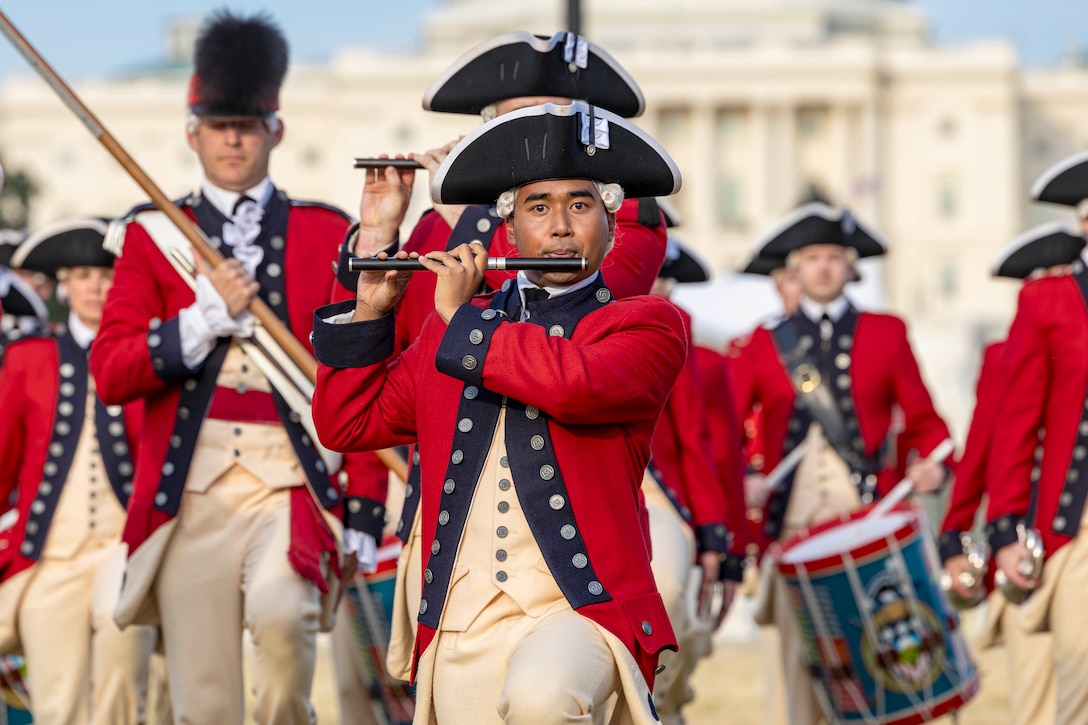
(949, 280)
(948, 201)
(811, 121)
(729, 202)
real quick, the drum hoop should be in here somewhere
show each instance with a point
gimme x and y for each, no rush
(835, 562)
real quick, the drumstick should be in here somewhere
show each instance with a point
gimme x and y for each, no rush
(787, 464)
(904, 487)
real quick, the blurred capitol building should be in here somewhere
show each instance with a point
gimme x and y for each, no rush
(758, 101)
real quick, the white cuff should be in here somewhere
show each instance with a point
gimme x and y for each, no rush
(342, 319)
(365, 548)
(197, 339)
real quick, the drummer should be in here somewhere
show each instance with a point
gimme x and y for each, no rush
(839, 374)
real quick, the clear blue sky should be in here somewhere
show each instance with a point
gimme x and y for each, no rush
(81, 38)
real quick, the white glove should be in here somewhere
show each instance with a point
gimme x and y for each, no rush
(365, 548)
(205, 321)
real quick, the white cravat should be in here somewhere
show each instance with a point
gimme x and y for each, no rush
(244, 227)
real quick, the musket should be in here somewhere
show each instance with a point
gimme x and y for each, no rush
(282, 336)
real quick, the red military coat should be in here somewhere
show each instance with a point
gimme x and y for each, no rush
(971, 484)
(1044, 387)
(43, 391)
(583, 386)
(681, 449)
(137, 353)
(726, 435)
(882, 371)
(630, 268)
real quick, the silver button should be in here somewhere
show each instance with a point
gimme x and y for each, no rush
(1079, 453)
(355, 505)
(276, 242)
(846, 342)
(27, 548)
(595, 588)
(67, 389)
(331, 493)
(114, 410)
(428, 576)
(154, 323)
(45, 488)
(556, 502)
(67, 370)
(842, 361)
(1072, 475)
(168, 469)
(32, 527)
(556, 331)
(415, 457)
(449, 486)
(120, 448)
(504, 461)
(488, 314)
(1066, 499)
(532, 413)
(63, 428)
(56, 449)
(537, 442)
(483, 225)
(125, 469)
(843, 381)
(501, 576)
(502, 532)
(1084, 428)
(1059, 523)
(154, 340)
(126, 488)
(469, 362)
(443, 517)
(190, 385)
(436, 546)
(274, 270)
(50, 469)
(504, 506)
(471, 392)
(501, 555)
(547, 472)
(504, 484)
(161, 499)
(476, 337)
(603, 295)
(65, 408)
(423, 607)
(568, 532)
(409, 490)
(647, 628)
(183, 413)
(116, 429)
(175, 441)
(464, 425)
(806, 342)
(580, 561)
(275, 298)
(457, 456)
(1003, 524)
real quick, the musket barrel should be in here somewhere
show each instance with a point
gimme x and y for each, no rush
(539, 264)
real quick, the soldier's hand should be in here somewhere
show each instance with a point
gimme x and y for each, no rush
(231, 281)
(460, 273)
(377, 292)
(431, 160)
(386, 194)
(756, 492)
(926, 475)
(1007, 559)
(957, 567)
(710, 563)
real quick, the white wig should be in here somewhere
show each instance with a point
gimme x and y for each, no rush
(611, 195)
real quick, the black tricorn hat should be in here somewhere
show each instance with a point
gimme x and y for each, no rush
(238, 66)
(1046, 245)
(1066, 182)
(75, 243)
(818, 223)
(763, 265)
(545, 142)
(522, 64)
(17, 298)
(682, 264)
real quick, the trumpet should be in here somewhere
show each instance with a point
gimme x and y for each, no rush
(539, 264)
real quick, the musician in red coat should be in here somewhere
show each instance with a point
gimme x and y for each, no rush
(558, 68)
(850, 367)
(538, 602)
(236, 517)
(70, 459)
(1045, 360)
